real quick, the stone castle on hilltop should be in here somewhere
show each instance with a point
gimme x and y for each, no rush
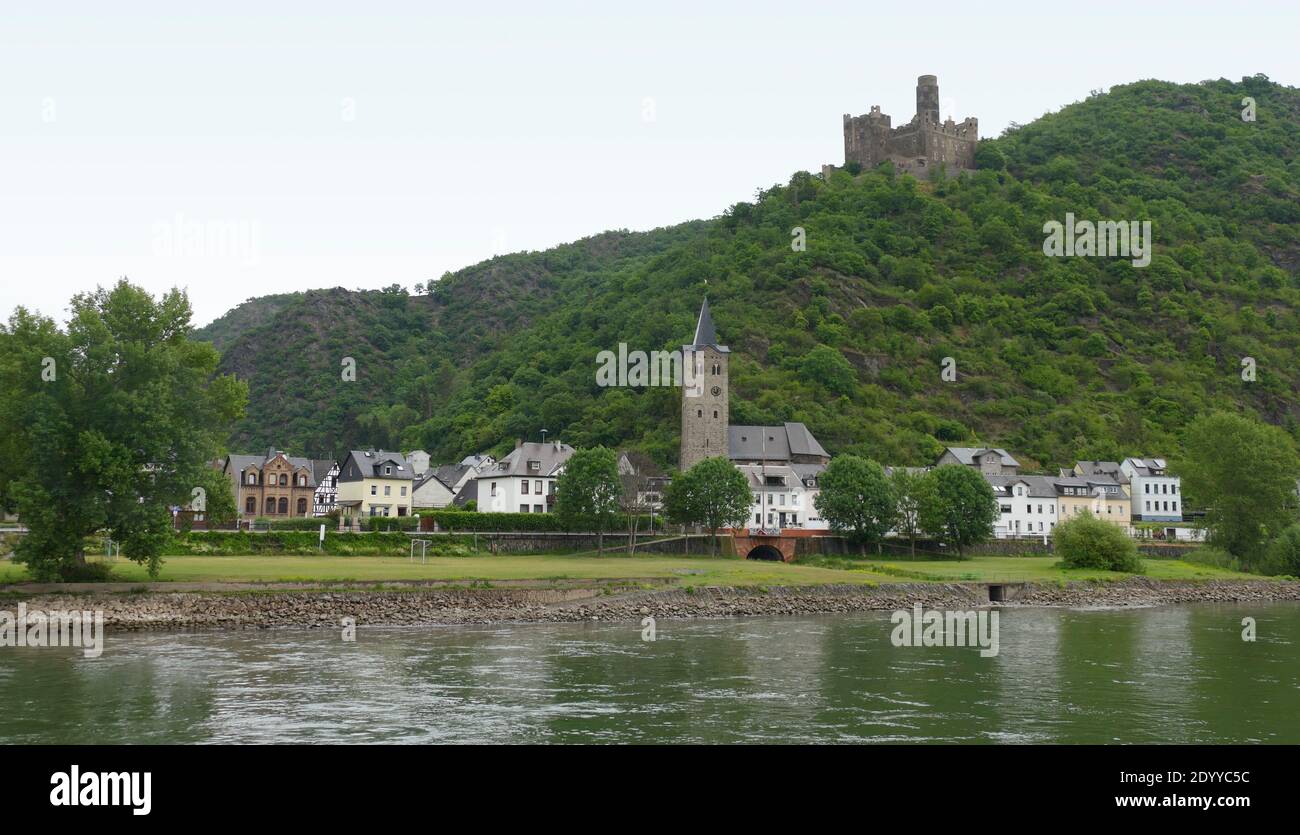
(917, 147)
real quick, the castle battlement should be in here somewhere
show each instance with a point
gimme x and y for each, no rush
(924, 143)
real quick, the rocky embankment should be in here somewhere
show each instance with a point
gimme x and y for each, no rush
(422, 606)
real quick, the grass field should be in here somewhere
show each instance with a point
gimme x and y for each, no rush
(695, 571)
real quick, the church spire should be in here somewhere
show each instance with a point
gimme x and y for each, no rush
(705, 333)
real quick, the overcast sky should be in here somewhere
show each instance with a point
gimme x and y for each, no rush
(237, 151)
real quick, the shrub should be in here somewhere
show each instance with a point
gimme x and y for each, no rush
(1088, 542)
(1283, 555)
(297, 523)
(392, 523)
(1214, 557)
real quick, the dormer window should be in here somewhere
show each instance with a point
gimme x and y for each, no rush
(388, 470)
(252, 478)
(535, 466)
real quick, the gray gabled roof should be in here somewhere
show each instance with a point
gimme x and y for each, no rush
(371, 463)
(772, 443)
(966, 454)
(550, 456)
(467, 494)
(450, 474)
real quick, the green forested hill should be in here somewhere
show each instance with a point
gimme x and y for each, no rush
(1057, 358)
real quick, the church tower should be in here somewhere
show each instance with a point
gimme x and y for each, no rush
(704, 394)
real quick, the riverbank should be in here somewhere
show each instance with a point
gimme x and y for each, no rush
(271, 607)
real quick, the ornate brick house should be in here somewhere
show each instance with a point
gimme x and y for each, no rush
(272, 485)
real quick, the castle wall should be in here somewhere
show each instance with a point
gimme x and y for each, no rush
(918, 146)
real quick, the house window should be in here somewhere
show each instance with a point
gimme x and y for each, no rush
(284, 505)
(403, 491)
(302, 481)
(715, 414)
(523, 508)
(388, 470)
(494, 488)
(537, 487)
(250, 506)
(388, 490)
(270, 506)
(302, 507)
(252, 478)
(523, 488)
(374, 491)
(537, 508)
(284, 480)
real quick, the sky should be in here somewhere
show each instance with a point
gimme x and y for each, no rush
(250, 148)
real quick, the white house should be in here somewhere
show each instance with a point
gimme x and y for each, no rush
(524, 480)
(1156, 495)
(419, 461)
(1027, 505)
(783, 496)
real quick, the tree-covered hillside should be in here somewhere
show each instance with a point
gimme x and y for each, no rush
(1056, 358)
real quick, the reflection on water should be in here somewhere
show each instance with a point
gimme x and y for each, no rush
(1168, 674)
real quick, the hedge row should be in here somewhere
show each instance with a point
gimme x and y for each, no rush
(462, 520)
(301, 543)
(391, 523)
(298, 523)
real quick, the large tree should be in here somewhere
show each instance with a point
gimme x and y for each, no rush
(589, 491)
(958, 506)
(713, 493)
(107, 424)
(1243, 473)
(909, 491)
(857, 499)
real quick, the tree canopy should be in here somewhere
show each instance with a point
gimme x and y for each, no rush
(107, 424)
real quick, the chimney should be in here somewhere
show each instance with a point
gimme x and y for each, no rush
(519, 442)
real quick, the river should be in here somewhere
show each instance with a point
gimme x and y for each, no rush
(1162, 674)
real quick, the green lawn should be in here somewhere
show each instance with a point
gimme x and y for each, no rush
(683, 570)
(686, 570)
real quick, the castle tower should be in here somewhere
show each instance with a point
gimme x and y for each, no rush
(927, 99)
(704, 394)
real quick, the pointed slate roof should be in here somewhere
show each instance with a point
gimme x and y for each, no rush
(706, 335)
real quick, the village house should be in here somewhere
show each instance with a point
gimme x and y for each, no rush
(989, 461)
(374, 483)
(523, 481)
(1156, 495)
(431, 492)
(1032, 505)
(783, 498)
(273, 485)
(326, 472)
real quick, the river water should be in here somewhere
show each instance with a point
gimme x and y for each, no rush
(1163, 674)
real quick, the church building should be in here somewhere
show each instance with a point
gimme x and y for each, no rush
(782, 462)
